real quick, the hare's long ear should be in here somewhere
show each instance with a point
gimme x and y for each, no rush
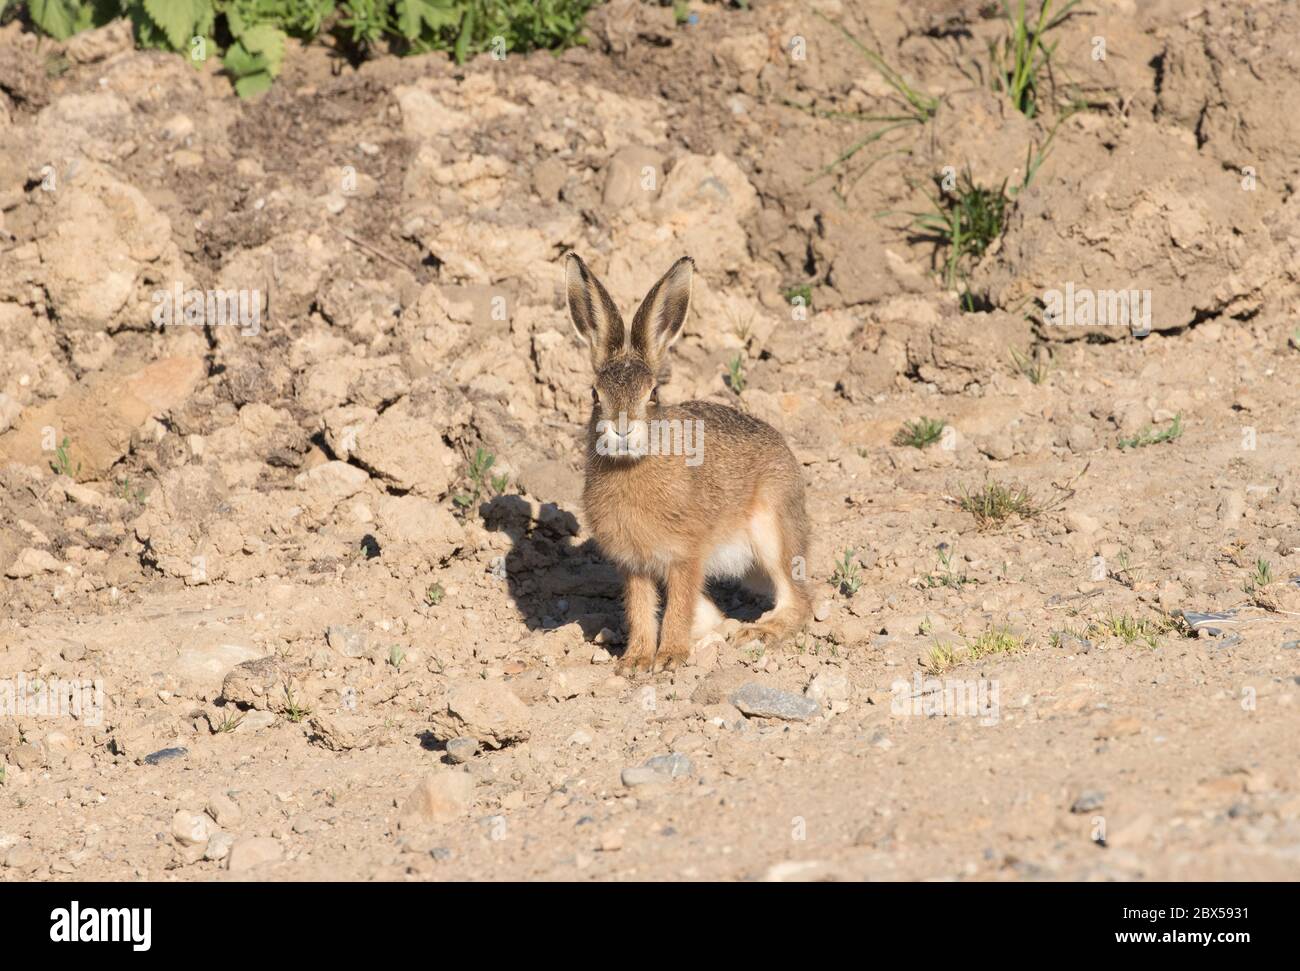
(659, 319)
(594, 315)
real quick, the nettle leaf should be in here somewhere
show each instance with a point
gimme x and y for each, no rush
(241, 62)
(251, 85)
(58, 18)
(414, 15)
(466, 37)
(408, 18)
(267, 41)
(179, 20)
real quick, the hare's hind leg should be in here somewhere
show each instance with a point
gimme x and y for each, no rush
(780, 542)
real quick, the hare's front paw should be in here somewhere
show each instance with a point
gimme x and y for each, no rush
(671, 656)
(637, 656)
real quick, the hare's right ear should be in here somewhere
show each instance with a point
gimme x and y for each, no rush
(594, 315)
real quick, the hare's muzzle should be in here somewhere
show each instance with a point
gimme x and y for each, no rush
(622, 437)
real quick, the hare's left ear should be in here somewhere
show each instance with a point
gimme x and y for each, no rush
(659, 319)
(593, 313)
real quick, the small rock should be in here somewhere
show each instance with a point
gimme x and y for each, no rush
(1090, 800)
(486, 710)
(823, 610)
(218, 846)
(1073, 642)
(347, 640)
(255, 721)
(675, 766)
(1119, 727)
(224, 810)
(640, 775)
(28, 756)
(252, 851)
(1232, 507)
(191, 829)
(460, 750)
(760, 701)
(22, 857)
(439, 798)
(73, 651)
(582, 736)
(59, 742)
(1080, 438)
(1081, 522)
(611, 841)
(164, 755)
(30, 562)
(829, 686)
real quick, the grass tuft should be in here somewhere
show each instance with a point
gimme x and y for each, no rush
(920, 433)
(1021, 60)
(992, 504)
(1155, 436)
(847, 577)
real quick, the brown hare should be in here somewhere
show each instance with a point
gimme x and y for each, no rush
(680, 493)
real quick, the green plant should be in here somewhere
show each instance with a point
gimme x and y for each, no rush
(292, 710)
(1058, 637)
(1127, 572)
(481, 482)
(920, 433)
(992, 504)
(941, 657)
(1130, 629)
(947, 577)
(965, 220)
(396, 656)
(229, 723)
(847, 577)
(995, 640)
(1032, 365)
(1261, 578)
(990, 642)
(919, 107)
(258, 30)
(1154, 436)
(433, 596)
(62, 464)
(803, 290)
(915, 107)
(1020, 58)
(125, 492)
(736, 374)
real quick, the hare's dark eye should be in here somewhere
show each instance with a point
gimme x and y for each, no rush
(595, 396)
(654, 395)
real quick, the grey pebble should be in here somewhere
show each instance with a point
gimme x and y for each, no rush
(462, 749)
(760, 701)
(640, 775)
(346, 640)
(1090, 800)
(162, 755)
(675, 766)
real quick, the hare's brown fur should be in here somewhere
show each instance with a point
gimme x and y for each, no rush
(737, 512)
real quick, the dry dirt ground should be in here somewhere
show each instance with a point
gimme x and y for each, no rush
(255, 574)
